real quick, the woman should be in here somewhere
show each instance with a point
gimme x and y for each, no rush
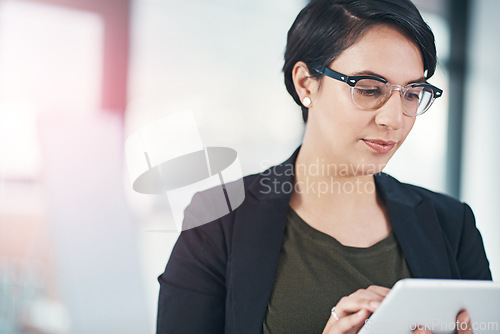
(326, 228)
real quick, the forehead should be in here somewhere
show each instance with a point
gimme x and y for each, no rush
(385, 50)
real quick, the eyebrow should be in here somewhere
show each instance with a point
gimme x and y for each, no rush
(370, 73)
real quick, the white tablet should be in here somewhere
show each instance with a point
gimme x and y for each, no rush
(434, 304)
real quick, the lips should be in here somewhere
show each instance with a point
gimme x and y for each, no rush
(379, 145)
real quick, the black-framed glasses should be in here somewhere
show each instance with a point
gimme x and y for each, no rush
(370, 93)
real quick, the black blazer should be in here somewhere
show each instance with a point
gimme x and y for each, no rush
(220, 275)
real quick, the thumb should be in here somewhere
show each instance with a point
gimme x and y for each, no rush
(464, 325)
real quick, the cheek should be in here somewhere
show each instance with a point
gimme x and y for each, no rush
(409, 125)
(339, 120)
(333, 94)
(343, 112)
(345, 123)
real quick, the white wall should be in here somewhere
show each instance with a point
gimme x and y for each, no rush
(481, 178)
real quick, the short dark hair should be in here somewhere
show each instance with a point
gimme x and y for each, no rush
(325, 28)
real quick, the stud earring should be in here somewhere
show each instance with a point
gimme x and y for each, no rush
(306, 101)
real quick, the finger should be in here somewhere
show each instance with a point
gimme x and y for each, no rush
(464, 325)
(421, 331)
(361, 299)
(351, 323)
(381, 290)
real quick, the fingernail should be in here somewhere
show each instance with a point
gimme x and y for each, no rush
(465, 317)
(374, 304)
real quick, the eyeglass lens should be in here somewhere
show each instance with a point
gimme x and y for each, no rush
(372, 94)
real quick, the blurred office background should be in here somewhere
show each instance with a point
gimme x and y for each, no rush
(79, 250)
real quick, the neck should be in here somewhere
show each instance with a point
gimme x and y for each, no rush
(321, 184)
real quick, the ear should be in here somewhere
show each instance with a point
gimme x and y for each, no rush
(305, 84)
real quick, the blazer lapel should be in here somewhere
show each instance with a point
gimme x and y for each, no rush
(257, 238)
(416, 227)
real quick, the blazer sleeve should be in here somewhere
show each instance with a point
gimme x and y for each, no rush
(471, 256)
(192, 288)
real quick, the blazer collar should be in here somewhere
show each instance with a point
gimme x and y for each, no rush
(259, 231)
(416, 226)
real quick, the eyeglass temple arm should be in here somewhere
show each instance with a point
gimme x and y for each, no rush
(332, 74)
(336, 75)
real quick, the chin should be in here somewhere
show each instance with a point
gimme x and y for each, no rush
(365, 168)
(375, 167)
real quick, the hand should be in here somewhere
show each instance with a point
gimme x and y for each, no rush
(464, 325)
(354, 309)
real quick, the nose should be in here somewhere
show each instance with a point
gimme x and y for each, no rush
(390, 115)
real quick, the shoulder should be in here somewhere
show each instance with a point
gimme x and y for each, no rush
(252, 192)
(210, 222)
(211, 214)
(443, 219)
(437, 198)
(219, 204)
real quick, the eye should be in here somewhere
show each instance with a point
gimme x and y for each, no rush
(410, 96)
(369, 92)
(369, 88)
(414, 94)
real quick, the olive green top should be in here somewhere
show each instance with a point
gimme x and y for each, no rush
(315, 270)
